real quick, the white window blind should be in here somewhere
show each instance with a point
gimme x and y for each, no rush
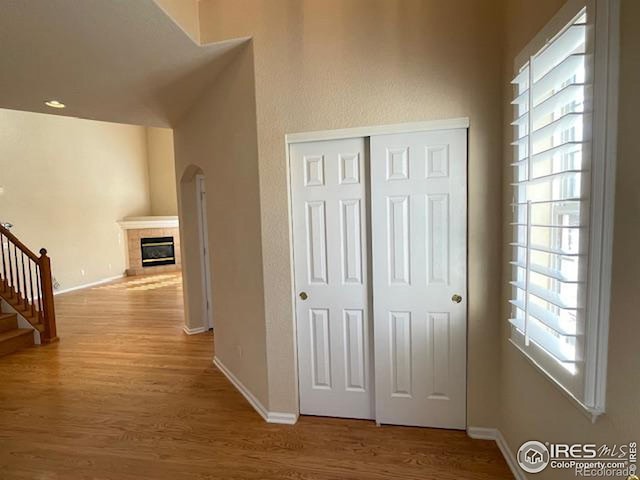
(565, 113)
(552, 126)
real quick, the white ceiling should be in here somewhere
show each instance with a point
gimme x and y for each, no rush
(114, 60)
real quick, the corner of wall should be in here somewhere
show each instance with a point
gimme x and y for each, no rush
(198, 29)
(148, 157)
(218, 135)
(161, 171)
(184, 13)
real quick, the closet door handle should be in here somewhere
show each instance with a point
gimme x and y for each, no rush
(456, 298)
(303, 295)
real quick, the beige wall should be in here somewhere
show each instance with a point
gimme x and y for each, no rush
(531, 407)
(325, 64)
(184, 13)
(162, 175)
(217, 137)
(67, 181)
(65, 184)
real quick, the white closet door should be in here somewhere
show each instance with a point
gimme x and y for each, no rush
(331, 276)
(418, 197)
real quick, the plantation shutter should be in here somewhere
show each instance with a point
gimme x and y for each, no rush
(550, 207)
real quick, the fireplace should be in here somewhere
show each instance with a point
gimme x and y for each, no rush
(141, 235)
(157, 251)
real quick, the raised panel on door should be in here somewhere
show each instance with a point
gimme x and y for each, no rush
(320, 348)
(418, 207)
(400, 354)
(355, 349)
(316, 233)
(351, 241)
(398, 240)
(328, 187)
(437, 241)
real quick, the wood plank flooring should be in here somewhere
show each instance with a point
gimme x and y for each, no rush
(127, 395)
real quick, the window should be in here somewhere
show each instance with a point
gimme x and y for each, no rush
(564, 112)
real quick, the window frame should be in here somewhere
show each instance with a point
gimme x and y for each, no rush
(603, 32)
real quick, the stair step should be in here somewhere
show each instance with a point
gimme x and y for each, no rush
(8, 321)
(15, 339)
(32, 316)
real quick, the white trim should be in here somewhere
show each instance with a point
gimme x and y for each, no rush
(138, 223)
(480, 433)
(603, 165)
(294, 315)
(601, 192)
(587, 411)
(566, 13)
(269, 417)
(282, 418)
(194, 331)
(447, 124)
(205, 270)
(89, 285)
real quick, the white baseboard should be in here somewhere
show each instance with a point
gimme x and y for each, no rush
(194, 331)
(281, 417)
(88, 285)
(480, 433)
(495, 435)
(269, 417)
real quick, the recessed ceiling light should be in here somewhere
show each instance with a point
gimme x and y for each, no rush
(54, 104)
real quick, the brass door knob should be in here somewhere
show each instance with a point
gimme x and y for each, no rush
(303, 295)
(456, 298)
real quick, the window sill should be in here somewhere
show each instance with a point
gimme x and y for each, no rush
(591, 413)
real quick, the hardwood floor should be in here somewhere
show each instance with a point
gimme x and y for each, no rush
(127, 395)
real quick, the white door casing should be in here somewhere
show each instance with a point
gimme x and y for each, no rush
(329, 196)
(201, 202)
(418, 205)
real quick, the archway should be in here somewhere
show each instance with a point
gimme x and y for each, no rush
(196, 265)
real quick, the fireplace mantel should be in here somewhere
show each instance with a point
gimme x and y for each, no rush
(137, 223)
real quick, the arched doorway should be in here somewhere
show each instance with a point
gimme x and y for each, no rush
(195, 251)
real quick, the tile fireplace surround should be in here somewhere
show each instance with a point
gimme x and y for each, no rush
(137, 228)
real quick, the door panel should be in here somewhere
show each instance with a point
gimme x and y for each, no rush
(418, 205)
(329, 185)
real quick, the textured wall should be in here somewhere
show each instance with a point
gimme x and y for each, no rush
(218, 138)
(325, 64)
(66, 183)
(532, 408)
(162, 175)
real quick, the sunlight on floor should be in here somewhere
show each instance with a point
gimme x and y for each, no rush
(152, 282)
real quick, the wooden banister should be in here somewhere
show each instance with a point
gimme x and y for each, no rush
(21, 246)
(26, 284)
(47, 298)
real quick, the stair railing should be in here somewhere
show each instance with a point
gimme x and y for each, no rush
(26, 284)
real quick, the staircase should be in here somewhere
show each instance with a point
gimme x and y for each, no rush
(26, 286)
(13, 338)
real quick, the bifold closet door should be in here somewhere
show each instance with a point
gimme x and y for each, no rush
(418, 212)
(328, 188)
